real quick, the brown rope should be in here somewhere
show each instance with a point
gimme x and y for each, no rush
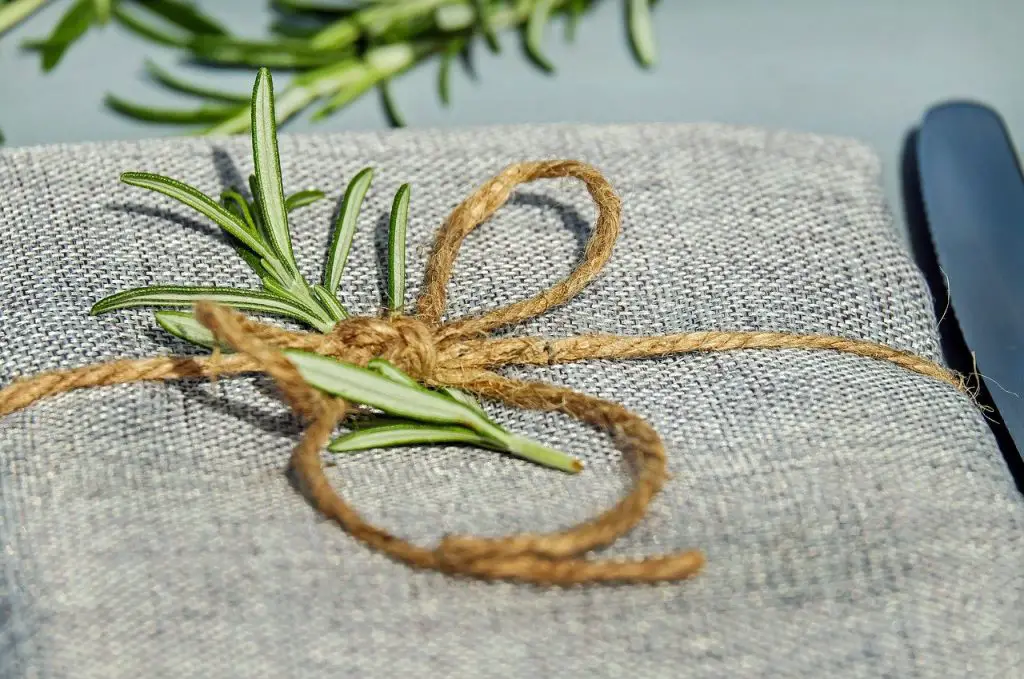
(460, 353)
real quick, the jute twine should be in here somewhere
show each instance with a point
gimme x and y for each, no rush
(462, 354)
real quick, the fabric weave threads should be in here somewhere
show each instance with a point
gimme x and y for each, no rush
(858, 519)
(455, 354)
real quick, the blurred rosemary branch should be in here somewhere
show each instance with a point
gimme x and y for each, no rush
(336, 50)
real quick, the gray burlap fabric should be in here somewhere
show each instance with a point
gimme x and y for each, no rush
(858, 519)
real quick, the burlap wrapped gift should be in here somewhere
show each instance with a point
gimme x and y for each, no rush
(858, 518)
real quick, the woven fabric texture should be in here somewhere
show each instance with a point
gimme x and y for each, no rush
(858, 519)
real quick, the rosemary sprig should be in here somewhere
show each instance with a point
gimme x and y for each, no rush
(258, 229)
(339, 50)
(342, 51)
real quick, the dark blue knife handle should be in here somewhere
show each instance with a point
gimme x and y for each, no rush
(973, 194)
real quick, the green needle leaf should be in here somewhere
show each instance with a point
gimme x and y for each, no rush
(184, 325)
(464, 398)
(204, 115)
(641, 31)
(258, 265)
(535, 24)
(141, 27)
(278, 53)
(14, 12)
(340, 34)
(343, 7)
(254, 209)
(185, 16)
(330, 303)
(444, 86)
(391, 111)
(572, 19)
(234, 201)
(72, 26)
(178, 296)
(268, 169)
(173, 82)
(200, 203)
(396, 250)
(345, 228)
(392, 372)
(302, 199)
(102, 9)
(368, 387)
(404, 434)
(483, 17)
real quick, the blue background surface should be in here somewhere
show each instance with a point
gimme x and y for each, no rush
(866, 69)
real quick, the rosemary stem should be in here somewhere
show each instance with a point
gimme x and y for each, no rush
(523, 447)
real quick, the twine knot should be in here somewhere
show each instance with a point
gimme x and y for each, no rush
(406, 341)
(463, 354)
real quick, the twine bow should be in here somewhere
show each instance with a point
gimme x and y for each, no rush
(462, 354)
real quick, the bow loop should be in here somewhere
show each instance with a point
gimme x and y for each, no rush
(479, 207)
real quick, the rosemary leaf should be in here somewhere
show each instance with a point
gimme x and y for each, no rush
(302, 199)
(394, 116)
(197, 201)
(102, 10)
(343, 97)
(396, 250)
(330, 302)
(289, 27)
(130, 20)
(277, 53)
(444, 72)
(320, 6)
(641, 31)
(370, 388)
(232, 200)
(344, 229)
(184, 325)
(14, 12)
(392, 372)
(179, 296)
(72, 26)
(483, 17)
(173, 82)
(576, 9)
(255, 210)
(256, 263)
(534, 36)
(463, 398)
(203, 115)
(404, 434)
(268, 170)
(339, 34)
(185, 16)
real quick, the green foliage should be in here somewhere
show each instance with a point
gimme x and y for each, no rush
(339, 51)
